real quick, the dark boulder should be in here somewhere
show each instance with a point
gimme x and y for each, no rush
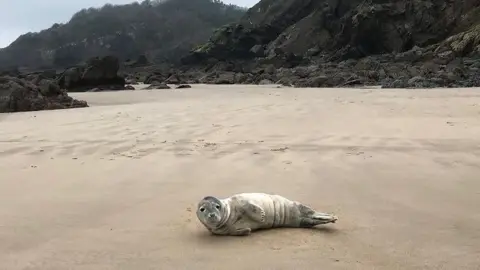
(95, 73)
(157, 85)
(20, 95)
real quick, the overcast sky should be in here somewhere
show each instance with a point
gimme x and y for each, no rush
(21, 16)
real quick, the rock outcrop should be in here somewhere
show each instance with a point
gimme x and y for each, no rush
(21, 95)
(338, 30)
(333, 43)
(415, 68)
(101, 73)
(157, 85)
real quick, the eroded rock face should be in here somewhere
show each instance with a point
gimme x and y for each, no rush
(348, 43)
(339, 30)
(139, 62)
(20, 95)
(96, 73)
(461, 44)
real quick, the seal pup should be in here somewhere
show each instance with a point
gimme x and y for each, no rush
(240, 214)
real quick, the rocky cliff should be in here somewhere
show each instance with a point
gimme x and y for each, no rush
(162, 30)
(345, 29)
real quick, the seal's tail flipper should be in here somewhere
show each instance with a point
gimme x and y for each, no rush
(310, 217)
(323, 218)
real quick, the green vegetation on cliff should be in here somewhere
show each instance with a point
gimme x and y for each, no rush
(163, 30)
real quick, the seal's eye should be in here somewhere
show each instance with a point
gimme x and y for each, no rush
(202, 209)
(217, 206)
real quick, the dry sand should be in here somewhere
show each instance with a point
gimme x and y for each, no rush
(115, 186)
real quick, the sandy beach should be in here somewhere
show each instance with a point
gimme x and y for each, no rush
(115, 185)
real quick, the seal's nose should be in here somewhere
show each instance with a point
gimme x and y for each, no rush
(211, 214)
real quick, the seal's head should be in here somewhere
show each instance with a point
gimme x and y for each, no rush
(211, 211)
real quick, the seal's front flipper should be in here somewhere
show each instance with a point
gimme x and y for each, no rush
(241, 232)
(254, 211)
